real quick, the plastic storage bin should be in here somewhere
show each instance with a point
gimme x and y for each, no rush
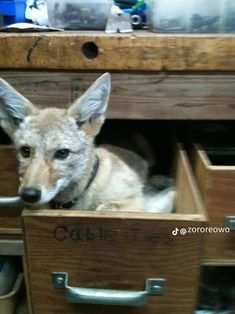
(167, 15)
(78, 14)
(13, 11)
(205, 16)
(195, 16)
(229, 21)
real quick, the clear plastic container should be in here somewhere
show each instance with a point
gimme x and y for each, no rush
(194, 16)
(229, 17)
(206, 16)
(78, 14)
(167, 15)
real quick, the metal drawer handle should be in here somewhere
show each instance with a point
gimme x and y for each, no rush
(230, 222)
(105, 296)
(10, 201)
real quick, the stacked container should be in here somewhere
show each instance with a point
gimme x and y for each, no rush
(195, 16)
(78, 14)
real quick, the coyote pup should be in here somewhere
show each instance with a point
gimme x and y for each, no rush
(58, 162)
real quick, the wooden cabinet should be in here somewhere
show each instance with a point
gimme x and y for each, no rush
(154, 77)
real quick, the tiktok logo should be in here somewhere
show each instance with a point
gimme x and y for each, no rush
(175, 231)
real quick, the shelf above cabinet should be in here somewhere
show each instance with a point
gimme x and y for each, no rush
(140, 51)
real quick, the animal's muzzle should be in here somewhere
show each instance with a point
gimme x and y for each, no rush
(30, 195)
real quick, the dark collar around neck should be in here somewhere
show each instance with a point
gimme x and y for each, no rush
(68, 205)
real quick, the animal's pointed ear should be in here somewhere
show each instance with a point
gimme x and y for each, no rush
(13, 108)
(89, 110)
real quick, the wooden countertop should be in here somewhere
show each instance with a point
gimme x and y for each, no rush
(140, 50)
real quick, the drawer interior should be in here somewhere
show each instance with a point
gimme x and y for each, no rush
(216, 289)
(221, 156)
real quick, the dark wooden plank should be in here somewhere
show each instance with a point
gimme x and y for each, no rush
(8, 171)
(9, 216)
(138, 51)
(137, 96)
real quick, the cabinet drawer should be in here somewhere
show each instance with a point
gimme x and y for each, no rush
(118, 251)
(9, 216)
(216, 182)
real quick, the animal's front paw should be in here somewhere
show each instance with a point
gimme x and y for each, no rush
(108, 207)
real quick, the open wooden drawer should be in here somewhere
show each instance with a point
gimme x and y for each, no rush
(215, 174)
(117, 251)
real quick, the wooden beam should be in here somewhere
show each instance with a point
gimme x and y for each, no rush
(136, 95)
(137, 51)
(12, 247)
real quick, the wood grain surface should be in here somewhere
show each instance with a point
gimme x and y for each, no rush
(159, 96)
(188, 198)
(114, 254)
(138, 51)
(217, 185)
(9, 216)
(114, 251)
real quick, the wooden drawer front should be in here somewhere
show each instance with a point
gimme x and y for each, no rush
(9, 216)
(117, 251)
(217, 185)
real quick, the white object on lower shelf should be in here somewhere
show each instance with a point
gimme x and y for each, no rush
(8, 274)
(9, 301)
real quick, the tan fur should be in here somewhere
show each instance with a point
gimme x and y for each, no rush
(118, 183)
(117, 186)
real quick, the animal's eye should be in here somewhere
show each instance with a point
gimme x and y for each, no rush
(25, 151)
(61, 153)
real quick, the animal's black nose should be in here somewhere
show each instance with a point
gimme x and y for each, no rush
(30, 195)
